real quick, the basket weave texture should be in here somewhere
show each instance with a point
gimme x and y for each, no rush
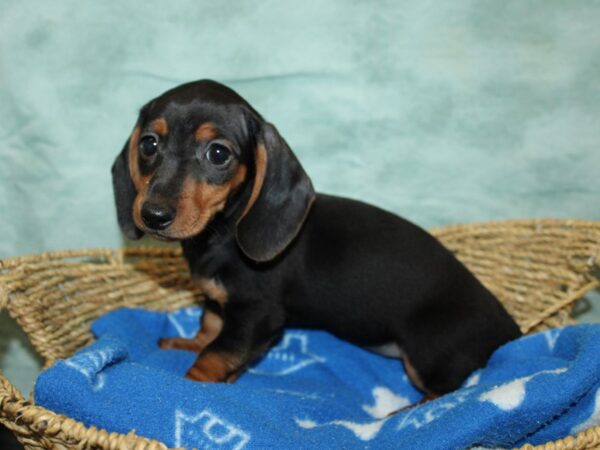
(537, 268)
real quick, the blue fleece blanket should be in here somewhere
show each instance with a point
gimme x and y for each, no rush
(313, 391)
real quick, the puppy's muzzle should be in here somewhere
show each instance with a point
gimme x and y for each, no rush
(157, 217)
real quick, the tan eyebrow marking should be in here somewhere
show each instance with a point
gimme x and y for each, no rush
(206, 132)
(159, 126)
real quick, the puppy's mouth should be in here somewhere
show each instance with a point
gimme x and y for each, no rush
(162, 236)
(172, 224)
(178, 231)
(169, 236)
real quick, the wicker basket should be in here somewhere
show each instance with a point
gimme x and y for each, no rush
(537, 268)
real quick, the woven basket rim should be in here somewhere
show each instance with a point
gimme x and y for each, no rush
(31, 421)
(116, 254)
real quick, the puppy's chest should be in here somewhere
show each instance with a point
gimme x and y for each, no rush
(213, 289)
(207, 259)
(224, 280)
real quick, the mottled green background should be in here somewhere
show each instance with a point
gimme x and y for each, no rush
(443, 112)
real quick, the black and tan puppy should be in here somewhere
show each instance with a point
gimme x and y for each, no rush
(203, 167)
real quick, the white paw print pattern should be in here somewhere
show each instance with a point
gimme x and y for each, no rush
(206, 430)
(511, 395)
(385, 403)
(290, 356)
(186, 321)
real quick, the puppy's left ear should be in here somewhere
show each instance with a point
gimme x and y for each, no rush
(279, 202)
(125, 193)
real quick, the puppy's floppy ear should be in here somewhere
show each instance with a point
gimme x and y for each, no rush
(125, 193)
(280, 200)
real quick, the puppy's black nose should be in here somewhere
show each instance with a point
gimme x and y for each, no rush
(157, 217)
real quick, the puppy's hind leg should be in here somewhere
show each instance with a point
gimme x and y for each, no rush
(436, 365)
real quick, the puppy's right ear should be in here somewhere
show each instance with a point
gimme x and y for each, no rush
(125, 194)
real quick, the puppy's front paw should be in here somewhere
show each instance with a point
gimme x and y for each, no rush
(213, 368)
(197, 374)
(192, 345)
(167, 343)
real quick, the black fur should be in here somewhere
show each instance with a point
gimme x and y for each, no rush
(297, 258)
(124, 191)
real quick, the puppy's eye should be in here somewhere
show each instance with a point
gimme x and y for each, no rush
(148, 146)
(218, 154)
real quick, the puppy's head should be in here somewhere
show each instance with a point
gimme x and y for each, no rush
(200, 150)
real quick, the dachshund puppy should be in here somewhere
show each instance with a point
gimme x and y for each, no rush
(204, 168)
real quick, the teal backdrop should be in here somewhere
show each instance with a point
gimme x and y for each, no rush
(443, 112)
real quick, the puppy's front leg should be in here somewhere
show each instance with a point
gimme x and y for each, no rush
(212, 324)
(248, 331)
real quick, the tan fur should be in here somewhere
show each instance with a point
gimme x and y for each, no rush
(134, 172)
(412, 373)
(238, 178)
(199, 202)
(259, 177)
(140, 181)
(159, 126)
(206, 132)
(212, 324)
(213, 290)
(214, 367)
